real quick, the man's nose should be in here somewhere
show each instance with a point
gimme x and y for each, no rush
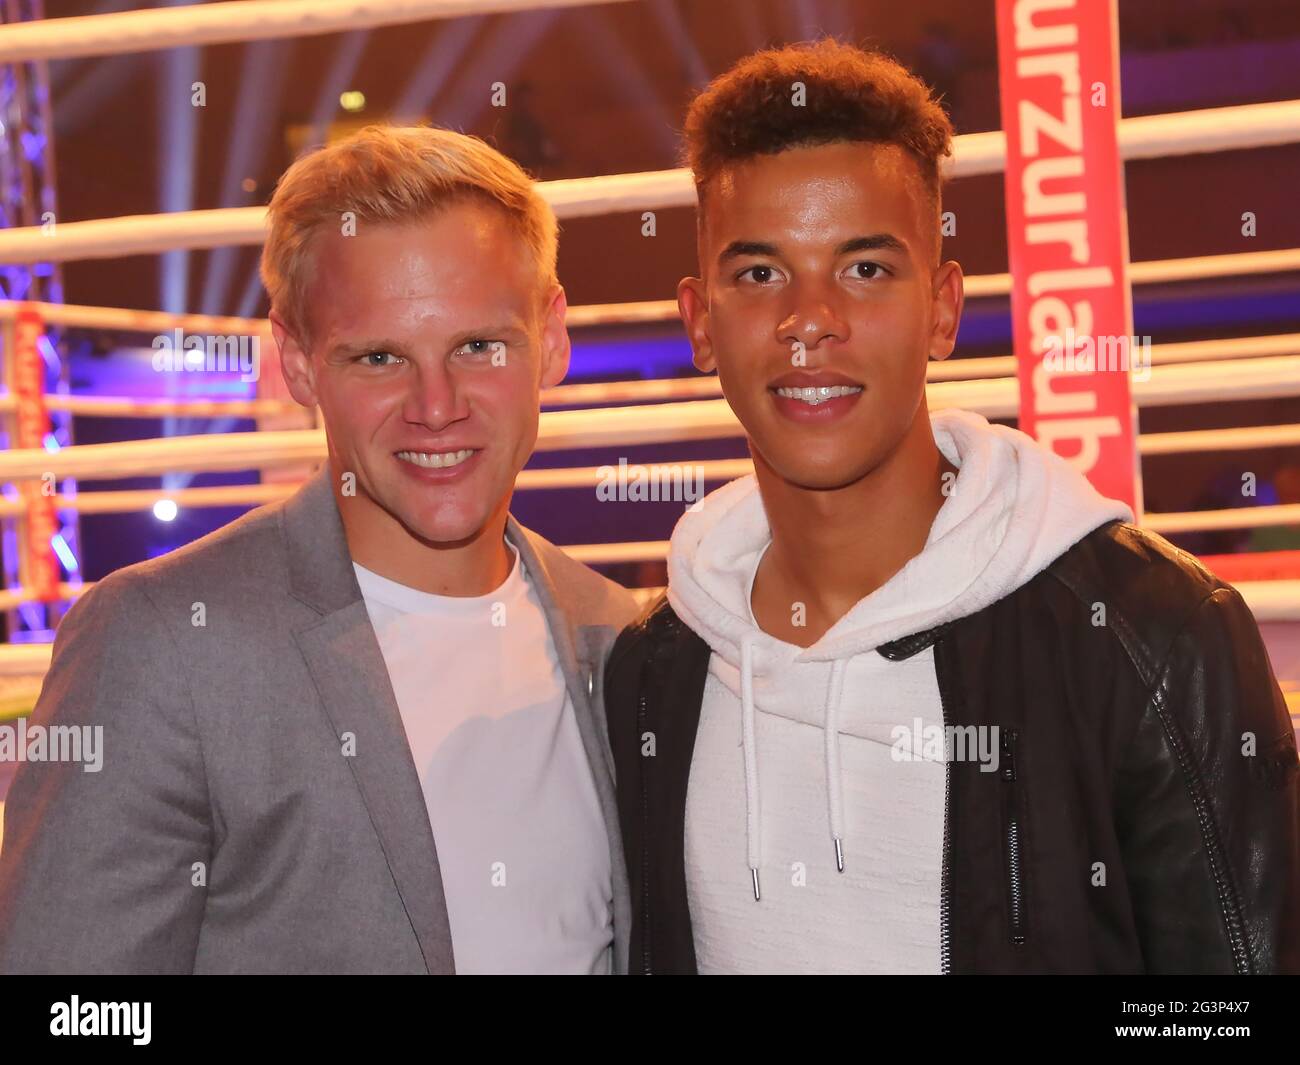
(434, 397)
(811, 316)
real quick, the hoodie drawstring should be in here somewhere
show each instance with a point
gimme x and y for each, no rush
(834, 779)
(753, 823)
(748, 742)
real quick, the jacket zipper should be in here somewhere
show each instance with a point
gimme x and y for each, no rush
(1012, 837)
(641, 715)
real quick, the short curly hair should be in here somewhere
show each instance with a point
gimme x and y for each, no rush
(849, 95)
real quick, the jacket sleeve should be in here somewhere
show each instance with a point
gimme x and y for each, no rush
(1213, 840)
(98, 866)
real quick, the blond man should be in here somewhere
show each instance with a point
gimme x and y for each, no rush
(357, 731)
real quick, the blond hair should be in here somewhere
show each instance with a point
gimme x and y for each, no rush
(390, 174)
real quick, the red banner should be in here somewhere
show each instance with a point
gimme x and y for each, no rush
(1067, 237)
(32, 426)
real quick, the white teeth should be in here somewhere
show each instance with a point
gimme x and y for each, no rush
(818, 395)
(436, 461)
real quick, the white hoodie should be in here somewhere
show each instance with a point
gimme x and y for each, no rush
(819, 727)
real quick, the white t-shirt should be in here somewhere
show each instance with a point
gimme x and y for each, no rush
(521, 841)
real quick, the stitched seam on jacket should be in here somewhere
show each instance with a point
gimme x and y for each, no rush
(1135, 651)
(1221, 870)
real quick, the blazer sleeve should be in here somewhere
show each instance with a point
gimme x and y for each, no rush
(104, 861)
(1213, 848)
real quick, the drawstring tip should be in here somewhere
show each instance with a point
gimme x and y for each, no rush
(754, 873)
(839, 855)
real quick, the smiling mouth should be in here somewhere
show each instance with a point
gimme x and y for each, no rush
(822, 394)
(436, 460)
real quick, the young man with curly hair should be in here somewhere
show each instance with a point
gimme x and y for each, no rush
(918, 698)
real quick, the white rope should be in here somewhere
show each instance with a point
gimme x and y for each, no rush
(246, 20)
(711, 470)
(82, 316)
(591, 394)
(1248, 126)
(135, 501)
(707, 419)
(1214, 520)
(23, 659)
(1277, 600)
(79, 316)
(128, 407)
(1146, 272)
(1239, 438)
(1199, 382)
(645, 551)
(1271, 600)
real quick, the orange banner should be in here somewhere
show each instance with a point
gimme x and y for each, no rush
(1067, 237)
(40, 564)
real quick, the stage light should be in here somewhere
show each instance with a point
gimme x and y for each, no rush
(165, 510)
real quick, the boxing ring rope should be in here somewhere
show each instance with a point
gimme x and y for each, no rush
(708, 419)
(122, 32)
(715, 470)
(996, 366)
(976, 286)
(1188, 132)
(1189, 372)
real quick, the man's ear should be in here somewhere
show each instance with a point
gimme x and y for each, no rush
(948, 295)
(693, 306)
(556, 346)
(295, 363)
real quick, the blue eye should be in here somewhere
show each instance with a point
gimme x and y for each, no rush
(371, 355)
(481, 347)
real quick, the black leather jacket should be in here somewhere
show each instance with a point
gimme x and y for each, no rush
(1125, 743)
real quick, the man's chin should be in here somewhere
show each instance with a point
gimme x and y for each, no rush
(819, 477)
(814, 472)
(445, 530)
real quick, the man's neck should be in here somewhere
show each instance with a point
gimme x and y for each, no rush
(831, 548)
(471, 567)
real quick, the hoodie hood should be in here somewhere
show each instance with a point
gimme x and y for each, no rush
(1014, 508)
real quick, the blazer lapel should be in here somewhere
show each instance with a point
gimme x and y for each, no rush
(348, 668)
(571, 645)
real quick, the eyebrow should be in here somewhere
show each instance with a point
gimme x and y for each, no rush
(359, 346)
(874, 242)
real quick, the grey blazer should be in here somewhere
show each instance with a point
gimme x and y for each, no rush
(227, 831)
